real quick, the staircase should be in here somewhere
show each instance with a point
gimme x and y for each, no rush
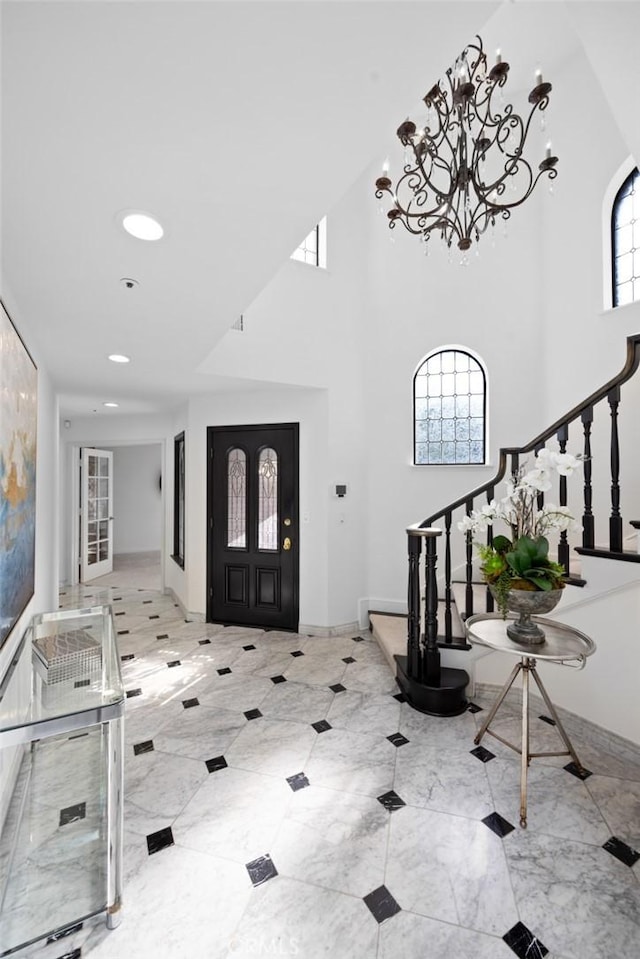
(427, 649)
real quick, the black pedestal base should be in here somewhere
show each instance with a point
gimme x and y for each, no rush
(446, 699)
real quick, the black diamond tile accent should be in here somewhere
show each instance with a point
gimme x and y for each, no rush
(621, 851)
(74, 954)
(474, 708)
(116, 599)
(358, 639)
(253, 714)
(278, 679)
(120, 613)
(400, 697)
(297, 652)
(73, 813)
(261, 870)
(381, 904)
(218, 762)
(174, 662)
(204, 642)
(145, 601)
(133, 692)
(247, 648)
(81, 682)
(69, 931)
(398, 739)
(338, 688)
(525, 945)
(123, 632)
(391, 801)
(190, 703)
(145, 747)
(348, 659)
(498, 824)
(484, 755)
(224, 672)
(127, 657)
(321, 726)
(299, 781)
(577, 772)
(159, 840)
(547, 719)
(163, 636)
(155, 616)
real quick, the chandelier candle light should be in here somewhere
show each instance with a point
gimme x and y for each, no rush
(465, 166)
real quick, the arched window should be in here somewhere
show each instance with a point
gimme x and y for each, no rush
(625, 241)
(449, 406)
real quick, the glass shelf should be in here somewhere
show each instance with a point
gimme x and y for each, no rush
(61, 841)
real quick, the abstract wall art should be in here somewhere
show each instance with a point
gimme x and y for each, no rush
(18, 425)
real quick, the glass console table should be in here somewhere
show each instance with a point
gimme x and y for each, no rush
(563, 645)
(61, 841)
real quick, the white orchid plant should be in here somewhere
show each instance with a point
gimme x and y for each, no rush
(522, 561)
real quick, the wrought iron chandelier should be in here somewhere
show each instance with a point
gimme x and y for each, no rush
(465, 166)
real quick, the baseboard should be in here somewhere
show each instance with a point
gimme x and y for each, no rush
(342, 630)
(188, 616)
(585, 730)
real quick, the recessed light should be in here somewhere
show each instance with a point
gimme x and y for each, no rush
(119, 358)
(142, 226)
(111, 404)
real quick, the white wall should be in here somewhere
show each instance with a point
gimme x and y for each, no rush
(137, 498)
(17, 696)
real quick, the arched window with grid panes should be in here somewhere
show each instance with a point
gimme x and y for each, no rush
(625, 241)
(449, 409)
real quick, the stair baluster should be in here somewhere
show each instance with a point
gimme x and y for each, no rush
(615, 521)
(468, 596)
(448, 594)
(489, 602)
(563, 545)
(431, 652)
(588, 530)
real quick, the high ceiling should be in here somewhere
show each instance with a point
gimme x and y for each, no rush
(237, 124)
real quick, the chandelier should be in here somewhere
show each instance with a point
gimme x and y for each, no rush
(464, 166)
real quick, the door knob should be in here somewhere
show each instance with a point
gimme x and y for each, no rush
(287, 543)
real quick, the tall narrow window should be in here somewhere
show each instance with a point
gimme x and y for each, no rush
(449, 399)
(313, 249)
(237, 499)
(268, 499)
(179, 478)
(625, 241)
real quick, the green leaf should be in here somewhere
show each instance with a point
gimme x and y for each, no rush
(501, 544)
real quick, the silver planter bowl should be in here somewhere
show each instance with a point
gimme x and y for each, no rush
(529, 603)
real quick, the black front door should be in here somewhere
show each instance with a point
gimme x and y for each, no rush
(252, 542)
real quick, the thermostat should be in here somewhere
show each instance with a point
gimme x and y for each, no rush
(341, 490)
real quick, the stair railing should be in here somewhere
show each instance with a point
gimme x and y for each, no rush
(421, 648)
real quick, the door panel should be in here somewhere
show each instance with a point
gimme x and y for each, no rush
(252, 555)
(96, 514)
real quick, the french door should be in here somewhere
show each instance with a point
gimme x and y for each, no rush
(253, 550)
(96, 513)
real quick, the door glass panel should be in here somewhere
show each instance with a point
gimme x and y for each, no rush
(237, 499)
(268, 499)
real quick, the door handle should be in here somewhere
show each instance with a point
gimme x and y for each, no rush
(287, 543)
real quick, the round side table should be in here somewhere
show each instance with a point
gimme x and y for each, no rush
(563, 645)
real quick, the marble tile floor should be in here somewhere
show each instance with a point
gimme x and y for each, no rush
(282, 800)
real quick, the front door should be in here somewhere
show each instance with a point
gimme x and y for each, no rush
(252, 555)
(96, 513)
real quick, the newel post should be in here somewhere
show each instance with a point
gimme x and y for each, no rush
(423, 658)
